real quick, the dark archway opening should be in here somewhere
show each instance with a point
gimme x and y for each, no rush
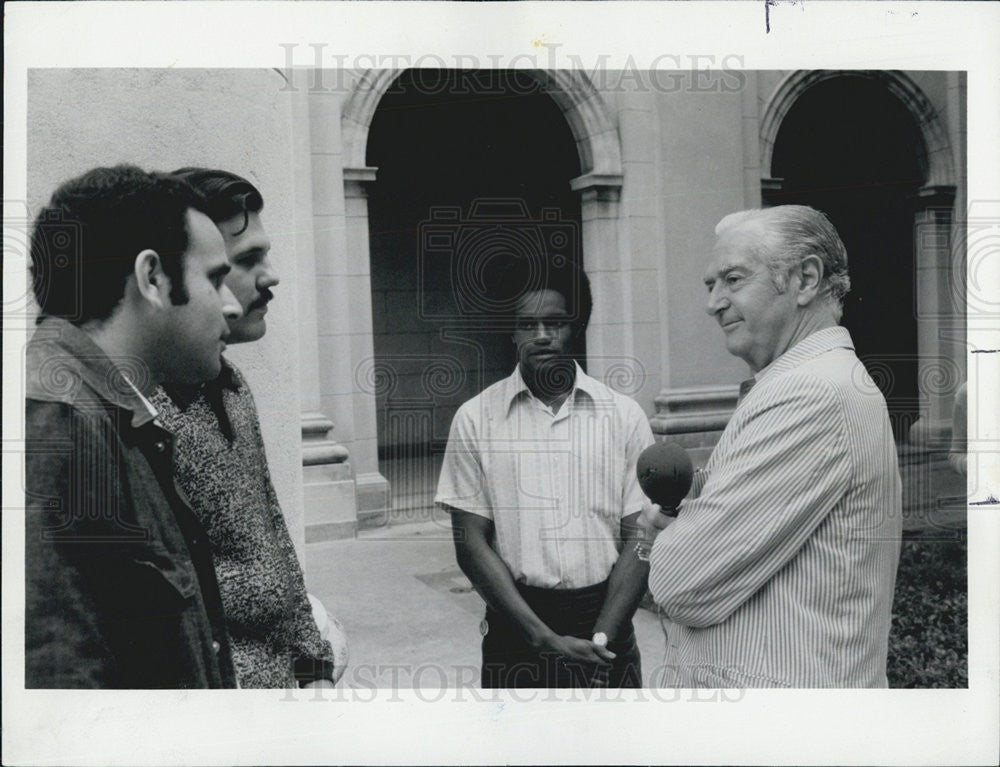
(851, 149)
(473, 167)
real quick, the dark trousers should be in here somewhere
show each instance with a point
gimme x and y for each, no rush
(509, 661)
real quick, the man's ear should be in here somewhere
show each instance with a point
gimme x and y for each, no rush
(151, 281)
(810, 273)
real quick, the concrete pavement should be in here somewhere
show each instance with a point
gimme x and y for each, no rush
(411, 616)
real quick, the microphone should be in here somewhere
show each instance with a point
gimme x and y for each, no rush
(665, 473)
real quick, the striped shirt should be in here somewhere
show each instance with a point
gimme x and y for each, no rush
(556, 485)
(781, 572)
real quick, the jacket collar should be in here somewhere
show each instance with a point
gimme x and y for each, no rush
(63, 363)
(809, 347)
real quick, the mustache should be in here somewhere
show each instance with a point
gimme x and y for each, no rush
(262, 301)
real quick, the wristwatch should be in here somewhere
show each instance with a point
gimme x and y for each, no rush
(600, 639)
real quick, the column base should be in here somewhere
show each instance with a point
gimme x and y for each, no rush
(694, 417)
(330, 504)
(933, 435)
(373, 500)
(328, 493)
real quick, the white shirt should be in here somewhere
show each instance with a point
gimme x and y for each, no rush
(781, 572)
(556, 485)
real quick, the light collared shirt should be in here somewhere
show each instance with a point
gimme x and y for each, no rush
(781, 572)
(556, 485)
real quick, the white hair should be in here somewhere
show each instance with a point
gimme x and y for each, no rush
(789, 233)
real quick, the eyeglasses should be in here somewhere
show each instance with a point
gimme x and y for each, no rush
(546, 323)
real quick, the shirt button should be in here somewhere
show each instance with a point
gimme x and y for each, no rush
(161, 446)
(216, 647)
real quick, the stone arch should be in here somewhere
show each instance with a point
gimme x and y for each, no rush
(936, 272)
(594, 129)
(586, 113)
(936, 161)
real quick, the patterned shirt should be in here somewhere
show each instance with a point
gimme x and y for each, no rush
(556, 485)
(221, 466)
(781, 572)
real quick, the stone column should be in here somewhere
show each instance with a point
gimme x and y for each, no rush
(372, 486)
(600, 195)
(941, 365)
(750, 102)
(328, 482)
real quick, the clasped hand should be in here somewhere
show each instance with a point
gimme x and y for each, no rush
(581, 650)
(652, 520)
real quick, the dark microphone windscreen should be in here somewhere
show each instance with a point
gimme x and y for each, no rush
(665, 472)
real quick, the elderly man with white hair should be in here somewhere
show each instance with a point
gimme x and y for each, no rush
(779, 569)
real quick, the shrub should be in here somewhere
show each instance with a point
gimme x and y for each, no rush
(928, 641)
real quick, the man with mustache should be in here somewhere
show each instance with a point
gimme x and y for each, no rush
(779, 571)
(120, 592)
(539, 479)
(222, 467)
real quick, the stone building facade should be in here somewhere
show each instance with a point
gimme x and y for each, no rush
(372, 179)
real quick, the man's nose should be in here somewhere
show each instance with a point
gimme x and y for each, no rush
(543, 332)
(716, 301)
(268, 277)
(231, 308)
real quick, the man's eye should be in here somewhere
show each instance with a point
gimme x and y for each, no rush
(550, 324)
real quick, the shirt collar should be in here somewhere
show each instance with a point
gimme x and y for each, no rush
(809, 347)
(515, 387)
(62, 358)
(745, 387)
(145, 402)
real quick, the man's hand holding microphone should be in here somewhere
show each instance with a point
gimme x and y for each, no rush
(665, 473)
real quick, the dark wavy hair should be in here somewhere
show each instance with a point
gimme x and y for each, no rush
(524, 274)
(227, 194)
(85, 241)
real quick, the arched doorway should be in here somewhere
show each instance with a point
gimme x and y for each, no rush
(472, 167)
(849, 147)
